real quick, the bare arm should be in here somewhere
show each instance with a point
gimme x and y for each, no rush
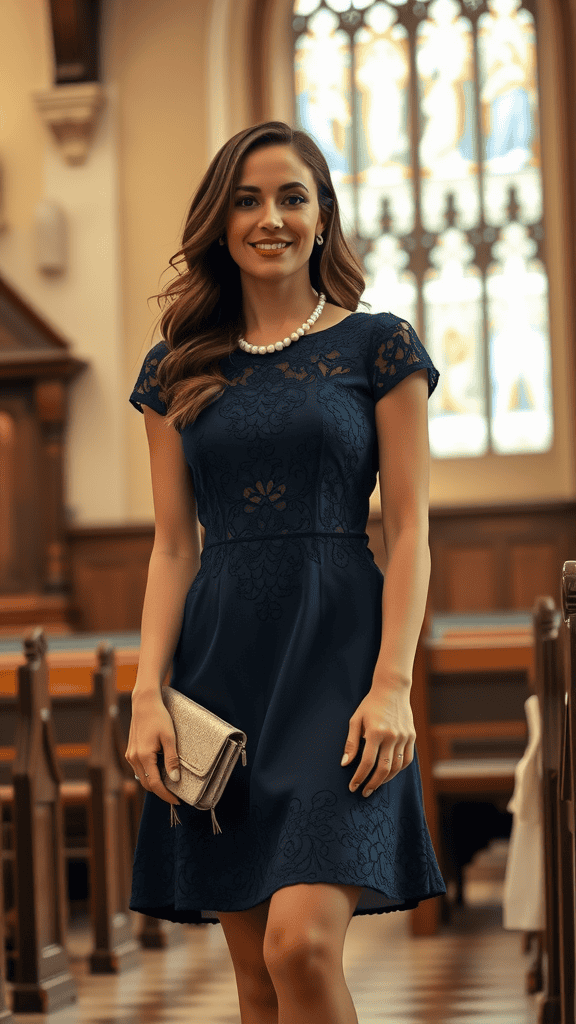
(175, 557)
(404, 454)
(169, 579)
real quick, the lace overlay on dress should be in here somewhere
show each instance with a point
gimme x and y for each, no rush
(298, 373)
(394, 351)
(396, 356)
(147, 385)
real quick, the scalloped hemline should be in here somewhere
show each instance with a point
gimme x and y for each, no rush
(169, 913)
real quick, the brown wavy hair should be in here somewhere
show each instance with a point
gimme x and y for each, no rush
(205, 319)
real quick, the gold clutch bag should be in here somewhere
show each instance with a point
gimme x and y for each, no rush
(208, 748)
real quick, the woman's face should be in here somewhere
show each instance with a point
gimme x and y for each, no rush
(264, 210)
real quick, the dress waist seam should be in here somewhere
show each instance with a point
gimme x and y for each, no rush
(281, 536)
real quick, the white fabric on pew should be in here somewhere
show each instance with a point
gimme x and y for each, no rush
(523, 897)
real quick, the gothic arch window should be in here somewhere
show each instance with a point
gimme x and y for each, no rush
(428, 114)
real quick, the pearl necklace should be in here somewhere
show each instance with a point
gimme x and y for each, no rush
(279, 345)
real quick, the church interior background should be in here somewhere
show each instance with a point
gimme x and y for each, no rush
(448, 129)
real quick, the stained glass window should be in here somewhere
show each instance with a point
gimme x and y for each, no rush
(427, 112)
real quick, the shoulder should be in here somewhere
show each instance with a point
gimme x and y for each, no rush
(146, 389)
(152, 360)
(394, 336)
(389, 325)
(395, 351)
(378, 327)
(156, 354)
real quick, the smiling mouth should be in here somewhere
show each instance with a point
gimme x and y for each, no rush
(271, 253)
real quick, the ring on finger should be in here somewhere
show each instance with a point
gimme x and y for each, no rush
(369, 792)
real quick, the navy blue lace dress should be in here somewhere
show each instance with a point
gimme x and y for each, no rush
(281, 631)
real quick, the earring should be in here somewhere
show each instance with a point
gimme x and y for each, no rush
(222, 240)
(319, 240)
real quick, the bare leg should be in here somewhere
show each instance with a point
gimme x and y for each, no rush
(303, 948)
(244, 932)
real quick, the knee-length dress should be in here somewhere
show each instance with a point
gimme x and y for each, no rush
(281, 630)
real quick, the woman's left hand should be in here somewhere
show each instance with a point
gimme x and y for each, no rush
(385, 720)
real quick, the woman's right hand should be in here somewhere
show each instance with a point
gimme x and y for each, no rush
(152, 731)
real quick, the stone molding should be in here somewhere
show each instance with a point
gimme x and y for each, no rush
(71, 113)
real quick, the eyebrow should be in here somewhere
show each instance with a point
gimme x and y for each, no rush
(281, 188)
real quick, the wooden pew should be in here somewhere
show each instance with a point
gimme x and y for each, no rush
(105, 734)
(71, 662)
(110, 843)
(459, 646)
(548, 680)
(555, 644)
(6, 1016)
(566, 807)
(43, 982)
(71, 665)
(37, 832)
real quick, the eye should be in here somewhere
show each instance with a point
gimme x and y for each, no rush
(294, 196)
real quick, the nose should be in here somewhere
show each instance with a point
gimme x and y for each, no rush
(270, 216)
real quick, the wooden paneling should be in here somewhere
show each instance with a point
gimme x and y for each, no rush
(109, 568)
(472, 578)
(498, 557)
(483, 559)
(22, 522)
(533, 564)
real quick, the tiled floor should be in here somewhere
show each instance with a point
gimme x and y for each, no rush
(472, 972)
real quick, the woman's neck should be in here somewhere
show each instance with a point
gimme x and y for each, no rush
(267, 314)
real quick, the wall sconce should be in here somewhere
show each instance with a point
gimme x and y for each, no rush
(50, 228)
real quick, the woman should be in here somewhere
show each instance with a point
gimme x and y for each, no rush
(271, 435)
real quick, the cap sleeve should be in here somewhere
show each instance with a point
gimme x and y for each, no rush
(395, 353)
(146, 390)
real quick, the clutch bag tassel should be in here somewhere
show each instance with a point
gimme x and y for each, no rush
(175, 819)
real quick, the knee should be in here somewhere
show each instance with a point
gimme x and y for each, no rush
(304, 953)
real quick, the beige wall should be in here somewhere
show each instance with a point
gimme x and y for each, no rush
(157, 58)
(25, 58)
(178, 76)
